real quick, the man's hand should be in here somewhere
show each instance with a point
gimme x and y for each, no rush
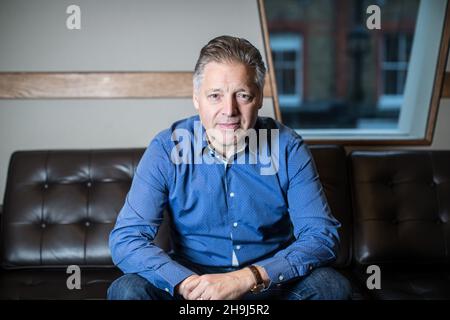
(186, 286)
(219, 286)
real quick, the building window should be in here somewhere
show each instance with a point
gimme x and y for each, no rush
(361, 84)
(287, 57)
(396, 50)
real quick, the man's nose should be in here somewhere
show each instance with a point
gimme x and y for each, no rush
(230, 107)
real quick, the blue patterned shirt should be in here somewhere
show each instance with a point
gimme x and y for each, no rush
(270, 213)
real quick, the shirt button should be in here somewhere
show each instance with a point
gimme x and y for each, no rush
(238, 247)
(280, 277)
(232, 194)
(235, 224)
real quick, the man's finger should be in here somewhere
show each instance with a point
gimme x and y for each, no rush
(182, 285)
(197, 291)
(191, 284)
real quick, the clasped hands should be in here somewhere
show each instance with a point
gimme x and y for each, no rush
(217, 286)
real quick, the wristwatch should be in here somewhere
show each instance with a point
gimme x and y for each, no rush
(259, 285)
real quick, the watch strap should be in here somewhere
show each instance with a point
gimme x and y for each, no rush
(258, 279)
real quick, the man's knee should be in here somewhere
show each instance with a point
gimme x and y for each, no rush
(330, 284)
(131, 287)
(322, 284)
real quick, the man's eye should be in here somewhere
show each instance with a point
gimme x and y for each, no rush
(214, 96)
(245, 96)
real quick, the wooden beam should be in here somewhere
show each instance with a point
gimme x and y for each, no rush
(270, 78)
(87, 85)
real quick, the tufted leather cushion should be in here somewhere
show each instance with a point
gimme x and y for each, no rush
(401, 206)
(61, 205)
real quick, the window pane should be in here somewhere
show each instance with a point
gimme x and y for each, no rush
(391, 44)
(390, 82)
(289, 81)
(351, 73)
(289, 56)
(275, 56)
(288, 68)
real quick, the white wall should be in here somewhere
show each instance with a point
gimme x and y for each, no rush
(115, 35)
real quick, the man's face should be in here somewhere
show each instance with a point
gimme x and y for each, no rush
(227, 101)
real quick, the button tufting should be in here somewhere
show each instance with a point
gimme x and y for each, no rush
(87, 223)
(89, 184)
(46, 186)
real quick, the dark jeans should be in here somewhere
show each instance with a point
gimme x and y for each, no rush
(321, 284)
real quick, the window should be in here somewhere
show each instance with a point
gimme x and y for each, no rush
(287, 57)
(396, 51)
(354, 83)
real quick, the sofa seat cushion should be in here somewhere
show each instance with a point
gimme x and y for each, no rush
(51, 284)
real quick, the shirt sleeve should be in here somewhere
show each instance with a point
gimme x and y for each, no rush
(132, 240)
(314, 227)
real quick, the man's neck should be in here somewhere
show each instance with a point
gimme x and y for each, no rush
(227, 151)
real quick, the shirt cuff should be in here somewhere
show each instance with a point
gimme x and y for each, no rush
(168, 276)
(278, 269)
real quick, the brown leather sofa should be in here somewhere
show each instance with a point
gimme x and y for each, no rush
(60, 206)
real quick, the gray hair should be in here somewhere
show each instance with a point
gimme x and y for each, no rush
(230, 49)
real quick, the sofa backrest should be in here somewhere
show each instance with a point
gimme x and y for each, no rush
(401, 206)
(60, 206)
(331, 163)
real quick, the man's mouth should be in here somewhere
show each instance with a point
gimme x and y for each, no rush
(229, 126)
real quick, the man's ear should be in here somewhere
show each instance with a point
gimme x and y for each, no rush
(195, 100)
(261, 97)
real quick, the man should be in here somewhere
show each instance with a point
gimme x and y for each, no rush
(242, 227)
